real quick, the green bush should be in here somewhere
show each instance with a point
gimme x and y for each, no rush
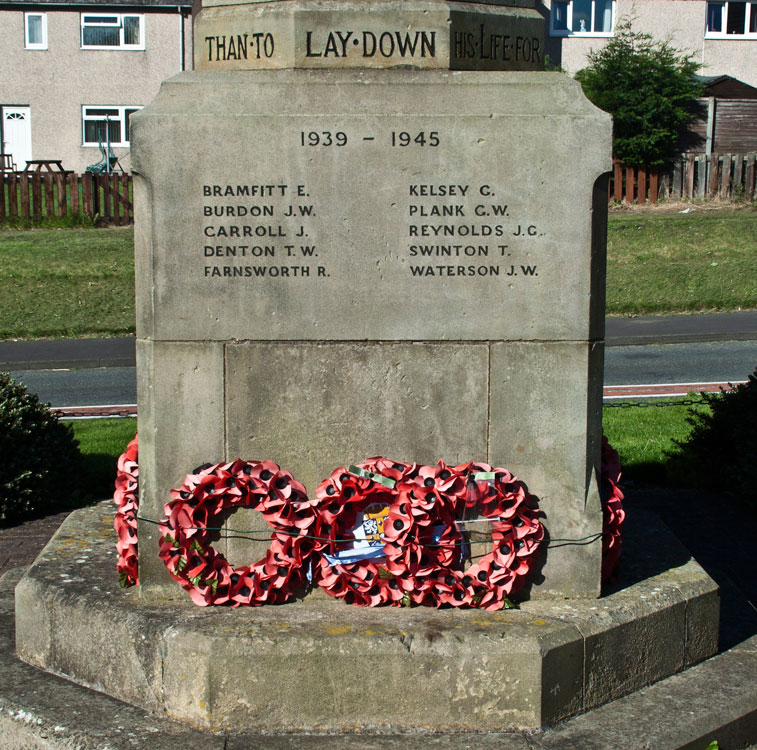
(721, 448)
(650, 90)
(40, 463)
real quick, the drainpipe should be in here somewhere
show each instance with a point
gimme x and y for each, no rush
(182, 39)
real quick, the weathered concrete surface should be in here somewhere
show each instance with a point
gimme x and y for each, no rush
(548, 448)
(348, 321)
(333, 404)
(306, 666)
(714, 700)
(424, 34)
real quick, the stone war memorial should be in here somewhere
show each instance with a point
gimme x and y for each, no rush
(369, 229)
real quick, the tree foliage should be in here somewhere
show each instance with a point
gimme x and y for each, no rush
(649, 88)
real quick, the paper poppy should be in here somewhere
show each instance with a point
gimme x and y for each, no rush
(197, 509)
(613, 514)
(126, 498)
(352, 508)
(496, 496)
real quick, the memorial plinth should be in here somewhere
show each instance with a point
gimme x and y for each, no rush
(356, 263)
(320, 665)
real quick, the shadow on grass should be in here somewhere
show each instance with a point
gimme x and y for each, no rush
(98, 477)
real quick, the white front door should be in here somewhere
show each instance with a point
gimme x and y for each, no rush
(17, 134)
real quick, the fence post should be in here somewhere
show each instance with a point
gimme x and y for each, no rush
(688, 191)
(617, 179)
(653, 184)
(13, 196)
(47, 181)
(675, 189)
(641, 185)
(714, 169)
(629, 184)
(72, 180)
(749, 187)
(725, 177)
(738, 176)
(701, 176)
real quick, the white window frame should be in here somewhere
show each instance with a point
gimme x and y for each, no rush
(35, 45)
(119, 115)
(87, 20)
(751, 8)
(569, 32)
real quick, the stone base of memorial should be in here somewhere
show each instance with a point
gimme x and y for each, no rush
(320, 664)
(338, 264)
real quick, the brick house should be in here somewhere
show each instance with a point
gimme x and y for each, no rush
(722, 34)
(72, 73)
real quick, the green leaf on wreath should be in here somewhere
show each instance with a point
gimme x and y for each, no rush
(123, 580)
(214, 585)
(405, 601)
(508, 604)
(477, 597)
(195, 545)
(384, 573)
(181, 564)
(169, 538)
(195, 580)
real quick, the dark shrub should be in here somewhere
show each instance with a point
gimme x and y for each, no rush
(40, 463)
(721, 451)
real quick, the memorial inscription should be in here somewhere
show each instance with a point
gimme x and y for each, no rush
(452, 229)
(382, 34)
(485, 224)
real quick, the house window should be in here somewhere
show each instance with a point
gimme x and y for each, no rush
(35, 30)
(112, 31)
(582, 17)
(106, 125)
(728, 19)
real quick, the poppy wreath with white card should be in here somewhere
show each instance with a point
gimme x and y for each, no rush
(516, 532)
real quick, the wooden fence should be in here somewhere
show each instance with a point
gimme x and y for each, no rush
(40, 196)
(108, 198)
(723, 177)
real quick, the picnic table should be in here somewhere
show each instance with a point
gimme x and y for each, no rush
(37, 165)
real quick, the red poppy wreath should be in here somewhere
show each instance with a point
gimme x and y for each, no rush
(612, 510)
(351, 513)
(516, 532)
(126, 498)
(416, 553)
(197, 509)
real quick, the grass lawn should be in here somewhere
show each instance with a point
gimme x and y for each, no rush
(670, 262)
(66, 283)
(80, 282)
(644, 438)
(101, 442)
